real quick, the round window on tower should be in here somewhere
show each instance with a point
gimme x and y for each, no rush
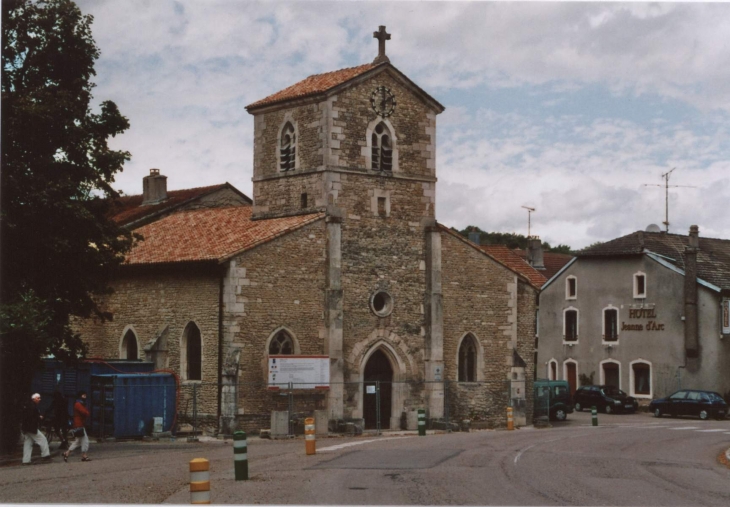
(381, 303)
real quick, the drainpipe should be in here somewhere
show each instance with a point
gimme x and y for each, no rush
(691, 344)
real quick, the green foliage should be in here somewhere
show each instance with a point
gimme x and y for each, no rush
(586, 380)
(511, 240)
(58, 248)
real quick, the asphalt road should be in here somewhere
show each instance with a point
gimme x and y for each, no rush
(626, 460)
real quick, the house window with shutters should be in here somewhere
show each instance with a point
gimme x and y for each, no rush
(287, 148)
(570, 325)
(382, 148)
(610, 324)
(639, 285)
(641, 385)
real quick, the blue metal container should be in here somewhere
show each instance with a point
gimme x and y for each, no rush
(54, 375)
(125, 405)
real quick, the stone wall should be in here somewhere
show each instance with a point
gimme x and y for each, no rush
(279, 284)
(151, 304)
(383, 253)
(414, 126)
(484, 298)
(526, 331)
(274, 197)
(334, 135)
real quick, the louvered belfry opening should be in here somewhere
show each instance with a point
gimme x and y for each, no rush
(382, 149)
(288, 147)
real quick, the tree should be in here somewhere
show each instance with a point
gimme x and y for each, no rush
(510, 239)
(58, 249)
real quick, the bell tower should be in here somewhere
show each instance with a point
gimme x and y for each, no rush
(360, 144)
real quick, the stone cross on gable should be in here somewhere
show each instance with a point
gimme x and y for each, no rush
(382, 36)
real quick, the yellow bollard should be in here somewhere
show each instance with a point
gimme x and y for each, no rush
(510, 419)
(199, 481)
(310, 442)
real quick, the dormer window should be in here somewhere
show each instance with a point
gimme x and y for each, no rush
(639, 285)
(382, 148)
(571, 288)
(288, 148)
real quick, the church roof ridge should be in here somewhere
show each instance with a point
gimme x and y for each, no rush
(314, 84)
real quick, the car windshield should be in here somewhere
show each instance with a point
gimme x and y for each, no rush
(612, 391)
(714, 397)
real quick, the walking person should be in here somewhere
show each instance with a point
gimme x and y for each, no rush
(58, 413)
(31, 432)
(78, 429)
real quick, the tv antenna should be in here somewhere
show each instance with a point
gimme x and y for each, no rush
(666, 194)
(529, 212)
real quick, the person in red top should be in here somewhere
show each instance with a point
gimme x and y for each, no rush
(78, 430)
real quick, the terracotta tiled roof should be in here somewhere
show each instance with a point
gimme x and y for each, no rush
(513, 261)
(713, 257)
(128, 209)
(208, 234)
(313, 85)
(552, 261)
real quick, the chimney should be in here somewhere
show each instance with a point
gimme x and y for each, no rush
(534, 253)
(691, 339)
(154, 188)
(475, 237)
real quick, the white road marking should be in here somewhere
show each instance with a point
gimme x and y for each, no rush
(519, 454)
(685, 428)
(350, 444)
(709, 431)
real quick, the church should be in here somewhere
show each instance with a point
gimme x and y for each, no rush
(339, 254)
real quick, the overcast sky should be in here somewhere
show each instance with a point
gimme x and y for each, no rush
(565, 107)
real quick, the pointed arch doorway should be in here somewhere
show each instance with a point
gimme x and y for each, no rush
(378, 368)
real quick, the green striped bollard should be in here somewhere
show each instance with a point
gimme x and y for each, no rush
(240, 455)
(594, 415)
(421, 422)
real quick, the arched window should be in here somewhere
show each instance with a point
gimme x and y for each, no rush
(192, 352)
(129, 346)
(382, 148)
(288, 148)
(281, 344)
(468, 359)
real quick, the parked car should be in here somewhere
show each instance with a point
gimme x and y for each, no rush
(704, 404)
(606, 398)
(555, 396)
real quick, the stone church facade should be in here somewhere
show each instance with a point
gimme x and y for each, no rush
(340, 254)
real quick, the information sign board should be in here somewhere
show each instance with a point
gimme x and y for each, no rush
(303, 372)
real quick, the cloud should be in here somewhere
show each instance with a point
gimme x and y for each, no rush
(587, 189)
(566, 106)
